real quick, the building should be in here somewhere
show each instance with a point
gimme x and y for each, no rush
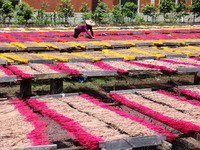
(36, 4)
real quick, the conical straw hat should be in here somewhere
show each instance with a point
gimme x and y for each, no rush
(90, 22)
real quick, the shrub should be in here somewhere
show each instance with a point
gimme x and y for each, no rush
(181, 9)
(166, 6)
(100, 14)
(54, 16)
(23, 12)
(66, 9)
(130, 10)
(6, 10)
(195, 8)
(86, 12)
(149, 10)
(117, 16)
(40, 16)
(139, 19)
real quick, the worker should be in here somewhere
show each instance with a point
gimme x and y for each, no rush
(84, 28)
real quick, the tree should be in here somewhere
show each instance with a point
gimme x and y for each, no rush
(181, 9)
(86, 12)
(44, 6)
(149, 10)
(6, 10)
(66, 9)
(166, 6)
(84, 7)
(117, 16)
(23, 13)
(139, 19)
(42, 16)
(195, 8)
(54, 16)
(130, 10)
(101, 12)
(125, 1)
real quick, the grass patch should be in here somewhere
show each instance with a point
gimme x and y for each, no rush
(101, 84)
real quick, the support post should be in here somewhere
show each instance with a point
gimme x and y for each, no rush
(25, 88)
(196, 78)
(56, 86)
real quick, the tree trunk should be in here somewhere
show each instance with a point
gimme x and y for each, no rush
(3, 19)
(194, 18)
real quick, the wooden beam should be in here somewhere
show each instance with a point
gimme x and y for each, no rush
(99, 73)
(196, 78)
(55, 95)
(56, 86)
(25, 88)
(131, 90)
(50, 76)
(144, 58)
(41, 147)
(188, 70)
(43, 61)
(176, 56)
(8, 79)
(112, 59)
(132, 142)
(79, 60)
(74, 148)
(94, 47)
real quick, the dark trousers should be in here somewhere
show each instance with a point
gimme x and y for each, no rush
(76, 33)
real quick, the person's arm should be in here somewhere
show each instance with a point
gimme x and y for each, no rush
(86, 30)
(92, 31)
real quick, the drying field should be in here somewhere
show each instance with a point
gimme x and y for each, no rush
(153, 118)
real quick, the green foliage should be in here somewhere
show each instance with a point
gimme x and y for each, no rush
(86, 16)
(117, 16)
(139, 19)
(84, 8)
(51, 17)
(125, 1)
(60, 17)
(14, 2)
(44, 6)
(46, 18)
(130, 10)
(149, 10)
(75, 17)
(100, 14)
(23, 13)
(40, 16)
(86, 12)
(6, 10)
(195, 8)
(54, 16)
(166, 6)
(172, 17)
(66, 9)
(181, 9)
